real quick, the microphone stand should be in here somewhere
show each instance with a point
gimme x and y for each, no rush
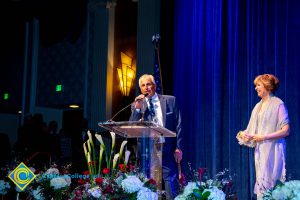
(111, 119)
(142, 109)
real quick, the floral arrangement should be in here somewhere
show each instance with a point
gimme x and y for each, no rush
(288, 191)
(50, 184)
(109, 176)
(201, 187)
(4, 187)
(243, 141)
(125, 186)
(44, 186)
(110, 182)
(7, 187)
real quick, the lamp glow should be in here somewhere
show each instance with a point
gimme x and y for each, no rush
(126, 74)
(73, 106)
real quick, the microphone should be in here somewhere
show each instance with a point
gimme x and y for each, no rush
(146, 94)
(111, 119)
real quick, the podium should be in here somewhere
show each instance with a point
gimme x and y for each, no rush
(150, 142)
(137, 129)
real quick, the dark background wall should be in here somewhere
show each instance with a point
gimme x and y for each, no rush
(60, 56)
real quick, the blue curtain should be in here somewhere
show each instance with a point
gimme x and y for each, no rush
(219, 48)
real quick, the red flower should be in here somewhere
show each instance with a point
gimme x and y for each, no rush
(131, 167)
(81, 181)
(99, 181)
(105, 171)
(78, 193)
(151, 181)
(87, 175)
(201, 171)
(92, 163)
(108, 189)
(123, 167)
(86, 172)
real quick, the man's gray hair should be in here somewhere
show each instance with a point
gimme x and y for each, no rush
(147, 76)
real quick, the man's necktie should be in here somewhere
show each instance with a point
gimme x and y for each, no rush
(151, 108)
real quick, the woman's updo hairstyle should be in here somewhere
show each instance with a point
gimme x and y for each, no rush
(269, 81)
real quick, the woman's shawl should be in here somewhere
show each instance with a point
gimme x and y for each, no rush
(274, 117)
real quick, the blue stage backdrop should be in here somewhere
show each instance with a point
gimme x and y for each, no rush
(219, 48)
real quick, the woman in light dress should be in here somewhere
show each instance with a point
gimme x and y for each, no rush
(267, 128)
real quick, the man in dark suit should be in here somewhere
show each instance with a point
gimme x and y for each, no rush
(163, 110)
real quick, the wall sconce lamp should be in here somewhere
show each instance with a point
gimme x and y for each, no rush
(126, 74)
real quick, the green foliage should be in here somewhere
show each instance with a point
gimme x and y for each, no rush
(200, 195)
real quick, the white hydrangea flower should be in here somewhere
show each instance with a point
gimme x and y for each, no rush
(215, 194)
(131, 184)
(209, 182)
(67, 179)
(3, 187)
(58, 182)
(32, 169)
(289, 190)
(180, 197)
(297, 196)
(293, 185)
(95, 192)
(146, 193)
(37, 194)
(278, 194)
(52, 171)
(189, 188)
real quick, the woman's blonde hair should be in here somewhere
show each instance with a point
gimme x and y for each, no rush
(269, 81)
